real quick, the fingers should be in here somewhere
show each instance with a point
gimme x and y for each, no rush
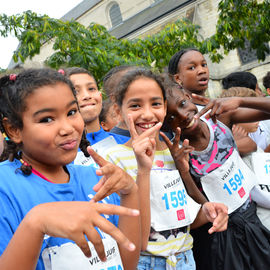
(82, 243)
(131, 126)
(166, 140)
(176, 140)
(217, 213)
(199, 98)
(204, 110)
(110, 229)
(97, 158)
(220, 223)
(209, 211)
(107, 227)
(186, 147)
(151, 132)
(94, 237)
(112, 209)
(114, 180)
(98, 186)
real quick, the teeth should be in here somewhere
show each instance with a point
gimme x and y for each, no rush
(147, 125)
(191, 123)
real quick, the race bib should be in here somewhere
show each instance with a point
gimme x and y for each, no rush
(261, 166)
(171, 207)
(229, 184)
(69, 257)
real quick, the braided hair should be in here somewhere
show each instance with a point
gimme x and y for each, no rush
(14, 90)
(174, 61)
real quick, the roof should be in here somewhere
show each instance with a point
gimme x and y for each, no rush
(147, 16)
(80, 9)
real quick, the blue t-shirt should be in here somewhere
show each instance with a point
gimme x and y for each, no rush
(19, 193)
(94, 137)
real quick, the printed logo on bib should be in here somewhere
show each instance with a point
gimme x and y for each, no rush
(181, 214)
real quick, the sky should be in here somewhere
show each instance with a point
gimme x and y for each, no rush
(53, 8)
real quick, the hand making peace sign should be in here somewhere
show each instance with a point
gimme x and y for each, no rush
(144, 145)
(180, 154)
(114, 178)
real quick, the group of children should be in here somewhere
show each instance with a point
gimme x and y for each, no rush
(153, 196)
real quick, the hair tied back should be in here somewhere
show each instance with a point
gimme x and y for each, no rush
(12, 77)
(61, 71)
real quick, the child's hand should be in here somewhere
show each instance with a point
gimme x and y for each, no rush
(75, 220)
(238, 132)
(114, 178)
(144, 145)
(217, 106)
(180, 154)
(217, 213)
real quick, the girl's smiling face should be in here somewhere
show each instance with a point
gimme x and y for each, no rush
(52, 127)
(145, 102)
(180, 112)
(193, 72)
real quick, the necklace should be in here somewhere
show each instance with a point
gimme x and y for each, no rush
(34, 171)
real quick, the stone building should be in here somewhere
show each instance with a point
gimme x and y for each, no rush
(137, 18)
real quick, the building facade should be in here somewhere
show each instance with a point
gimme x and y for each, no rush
(138, 18)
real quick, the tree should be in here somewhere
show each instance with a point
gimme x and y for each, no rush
(241, 20)
(95, 49)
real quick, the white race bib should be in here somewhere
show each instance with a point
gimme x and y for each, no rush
(229, 184)
(100, 147)
(70, 257)
(171, 207)
(261, 166)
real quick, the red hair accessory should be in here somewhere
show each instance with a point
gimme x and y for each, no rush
(61, 71)
(12, 77)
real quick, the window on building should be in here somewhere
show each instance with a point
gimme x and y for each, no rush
(115, 14)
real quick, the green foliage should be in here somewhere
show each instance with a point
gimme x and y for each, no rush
(241, 20)
(95, 49)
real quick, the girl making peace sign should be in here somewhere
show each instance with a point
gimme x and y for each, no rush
(166, 210)
(45, 200)
(220, 173)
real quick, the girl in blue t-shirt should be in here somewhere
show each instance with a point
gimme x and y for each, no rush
(45, 200)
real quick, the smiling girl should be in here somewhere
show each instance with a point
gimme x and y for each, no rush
(166, 210)
(220, 173)
(44, 199)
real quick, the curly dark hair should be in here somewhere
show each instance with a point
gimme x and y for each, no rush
(14, 89)
(240, 79)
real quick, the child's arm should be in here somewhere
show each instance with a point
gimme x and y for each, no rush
(72, 220)
(217, 213)
(181, 157)
(144, 147)
(117, 180)
(234, 110)
(244, 143)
